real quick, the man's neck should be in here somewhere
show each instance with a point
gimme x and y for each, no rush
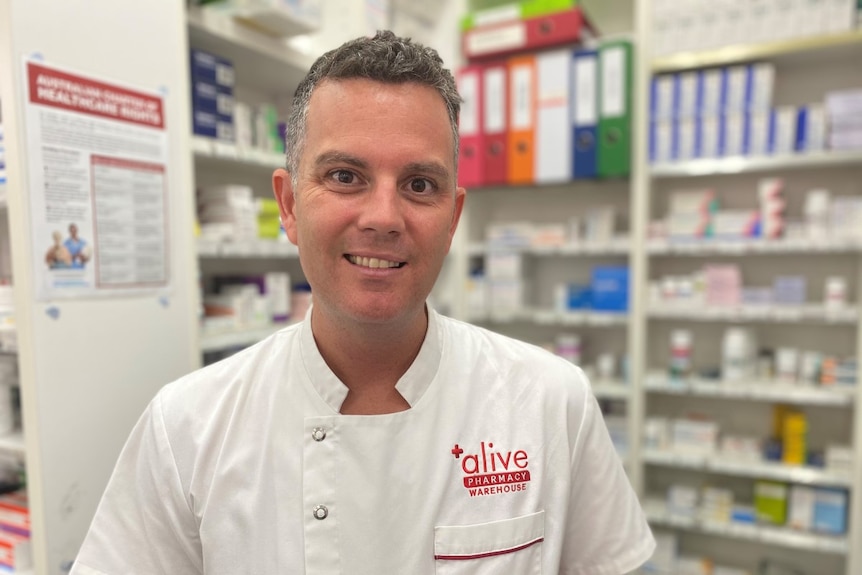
(369, 359)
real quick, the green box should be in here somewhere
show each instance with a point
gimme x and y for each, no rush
(509, 10)
(770, 502)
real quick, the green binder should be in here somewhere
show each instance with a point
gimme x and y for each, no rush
(615, 108)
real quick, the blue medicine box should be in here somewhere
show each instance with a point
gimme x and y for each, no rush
(830, 511)
(579, 297)
(610, 288)
(213, 69)
(204, 124)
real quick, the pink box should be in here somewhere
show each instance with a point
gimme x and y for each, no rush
(723, 285)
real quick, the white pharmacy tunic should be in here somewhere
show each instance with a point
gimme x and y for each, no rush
(502, 465)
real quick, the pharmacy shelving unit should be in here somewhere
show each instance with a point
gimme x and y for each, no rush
(805, 69)
(88, 366)
(539, 320)
(267, 70)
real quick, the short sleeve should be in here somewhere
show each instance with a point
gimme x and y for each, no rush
(144, 524)
(606, 530)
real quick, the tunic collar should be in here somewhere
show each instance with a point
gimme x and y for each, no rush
(412, 385)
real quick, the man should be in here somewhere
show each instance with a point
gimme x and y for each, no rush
(376, 437)
(77, 247)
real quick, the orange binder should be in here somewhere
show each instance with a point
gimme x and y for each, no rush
(522, 119)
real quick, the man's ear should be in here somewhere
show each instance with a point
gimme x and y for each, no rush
(282, 188)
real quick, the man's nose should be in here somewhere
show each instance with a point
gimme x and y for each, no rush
(383, 210)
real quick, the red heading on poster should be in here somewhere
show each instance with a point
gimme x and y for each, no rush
(50, 87)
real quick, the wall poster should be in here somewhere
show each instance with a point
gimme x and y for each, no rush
(98, 185)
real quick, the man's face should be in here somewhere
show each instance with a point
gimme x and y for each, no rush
(376, 203)
(73, 231)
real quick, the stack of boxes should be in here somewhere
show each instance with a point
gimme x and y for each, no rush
(280, 18)
(213, 81)
(227, 213)
(728, 112)
(844, 110)
(770, 194)
(248, 301)
(699, 25)
(15, 548)
(695, 215)
(690, 214)
(506, 285)
(801, 507)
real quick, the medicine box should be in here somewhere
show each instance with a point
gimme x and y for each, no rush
(504, 265)
(15, 513)
(783, 128)
(770, 502)
(789, 290)
(506, 296)
(811, 129)
(694, 436)
(794, 435)
(610, 288)
(204, 123)
(213, 69)
(664, 96)
(693, 201)
(682, 501)
(830, 511)
(15, 552)
(801, 513)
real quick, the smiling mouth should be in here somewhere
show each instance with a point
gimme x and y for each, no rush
(374, 263)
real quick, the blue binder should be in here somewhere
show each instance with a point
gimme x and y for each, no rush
(585, 114)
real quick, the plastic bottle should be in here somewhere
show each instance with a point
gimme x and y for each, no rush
(680, 353)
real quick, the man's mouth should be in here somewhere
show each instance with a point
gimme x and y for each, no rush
(374, 263)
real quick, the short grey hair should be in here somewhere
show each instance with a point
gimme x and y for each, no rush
(385, 58)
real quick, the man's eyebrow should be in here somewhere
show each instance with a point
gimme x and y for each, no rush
(328, 158)
(431, 168)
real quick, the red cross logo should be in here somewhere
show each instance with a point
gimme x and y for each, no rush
(457, 451)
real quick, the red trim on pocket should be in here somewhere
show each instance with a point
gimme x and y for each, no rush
(485, 555)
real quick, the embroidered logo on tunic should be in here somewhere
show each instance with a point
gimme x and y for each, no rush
(492, 472)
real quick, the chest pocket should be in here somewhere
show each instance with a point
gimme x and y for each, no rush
(508, 546)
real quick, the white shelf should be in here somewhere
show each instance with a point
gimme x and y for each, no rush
(215, 151)
(826, 46)
(216, 340)
(13, 443)
(610, 389)
(750, 165)
(749, 246)
(250, 249)
(759, 313)
(266, 64)
(617, 246)
(754, 469)
(657, 514)
(765, 391)
(550, 317)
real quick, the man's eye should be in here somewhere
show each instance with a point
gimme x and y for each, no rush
(421, 186)
(343, 176)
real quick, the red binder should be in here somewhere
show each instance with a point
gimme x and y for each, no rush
(471, 154)
(565, 27)
(495, 122)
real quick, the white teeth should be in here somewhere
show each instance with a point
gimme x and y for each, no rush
(374, 263)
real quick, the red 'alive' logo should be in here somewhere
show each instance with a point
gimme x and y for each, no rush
(491, 472)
